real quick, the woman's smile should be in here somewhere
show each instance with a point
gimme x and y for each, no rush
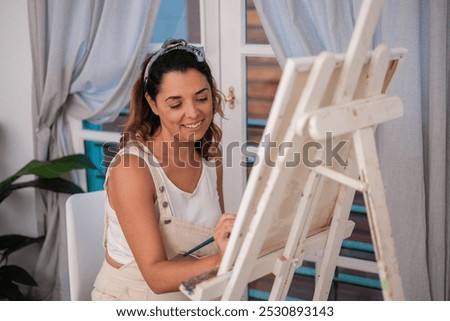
(193, 125)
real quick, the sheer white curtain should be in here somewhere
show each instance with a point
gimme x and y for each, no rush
(413, 150)
(86, 55)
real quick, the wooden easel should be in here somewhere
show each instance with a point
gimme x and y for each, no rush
(288, 212)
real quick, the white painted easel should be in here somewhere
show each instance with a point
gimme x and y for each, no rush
(289, 212)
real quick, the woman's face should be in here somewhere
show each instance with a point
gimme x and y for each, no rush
(184, 105)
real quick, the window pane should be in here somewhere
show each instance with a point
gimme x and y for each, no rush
(263, 76)
(254, 31)
(178, 19)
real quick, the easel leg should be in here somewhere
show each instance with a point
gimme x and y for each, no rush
(378, 215)
(324, 276)
(292, 257)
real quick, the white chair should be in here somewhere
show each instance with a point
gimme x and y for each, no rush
(85, 223)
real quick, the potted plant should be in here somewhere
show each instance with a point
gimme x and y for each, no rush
(48, 178)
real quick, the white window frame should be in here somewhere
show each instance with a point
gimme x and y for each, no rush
(234, 51)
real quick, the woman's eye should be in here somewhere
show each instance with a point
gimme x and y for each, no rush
(203, 99)
(175, 106)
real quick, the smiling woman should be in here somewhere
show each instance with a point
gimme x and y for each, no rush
(184, 105)
(164, 192)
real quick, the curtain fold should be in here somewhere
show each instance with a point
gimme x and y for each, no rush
(435, 62)
(305, 28)
(413, 150)
(86, 55)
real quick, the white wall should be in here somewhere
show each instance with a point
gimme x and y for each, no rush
(17, 213)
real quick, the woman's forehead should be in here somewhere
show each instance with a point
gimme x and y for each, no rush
(186, 82)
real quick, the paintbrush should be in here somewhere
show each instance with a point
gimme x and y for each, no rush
(198, 247)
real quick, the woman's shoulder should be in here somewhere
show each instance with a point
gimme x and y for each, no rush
(129, 173)
(131, 159)
(137, 149)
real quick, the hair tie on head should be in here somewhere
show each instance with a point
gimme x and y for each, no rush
(174, 44)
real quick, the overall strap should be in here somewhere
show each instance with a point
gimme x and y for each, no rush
(162, 198)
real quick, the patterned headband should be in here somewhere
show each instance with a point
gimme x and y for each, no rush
(174, 44)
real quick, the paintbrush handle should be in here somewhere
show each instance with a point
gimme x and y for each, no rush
(198, 247)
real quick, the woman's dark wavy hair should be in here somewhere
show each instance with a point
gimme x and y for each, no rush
(142, 123)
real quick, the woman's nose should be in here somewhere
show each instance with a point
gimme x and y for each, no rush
(192, 110)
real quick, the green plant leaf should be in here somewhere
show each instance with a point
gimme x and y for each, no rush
(14, 242)
(5, 187)
(48, 173)
(16, 274)
(47, 169)
(10, 291)
(56, 167)
(10, 275)
(59, 185)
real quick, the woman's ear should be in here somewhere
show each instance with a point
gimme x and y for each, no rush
(152, 104)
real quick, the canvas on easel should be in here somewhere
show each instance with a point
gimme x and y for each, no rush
(297, 200)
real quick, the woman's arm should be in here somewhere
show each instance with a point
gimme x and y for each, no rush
(131, 192)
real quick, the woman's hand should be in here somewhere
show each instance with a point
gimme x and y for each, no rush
(222, 232)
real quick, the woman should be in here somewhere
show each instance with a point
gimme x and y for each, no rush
(164, 193)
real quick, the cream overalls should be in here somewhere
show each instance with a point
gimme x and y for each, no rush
(127, 282)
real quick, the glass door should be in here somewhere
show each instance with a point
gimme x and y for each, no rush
(250, 74)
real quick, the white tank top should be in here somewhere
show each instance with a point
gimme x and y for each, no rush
(200, 207)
